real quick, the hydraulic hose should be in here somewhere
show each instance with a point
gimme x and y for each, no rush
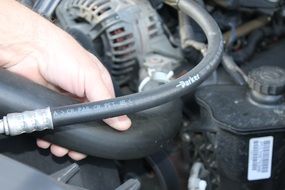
(136, 102)
(151, 129)
(133, 103)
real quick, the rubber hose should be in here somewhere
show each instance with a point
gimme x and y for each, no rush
(144, 100)
(150, 132)
(137, 102)
(254, 39)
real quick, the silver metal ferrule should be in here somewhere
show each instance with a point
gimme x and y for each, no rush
(26, 122)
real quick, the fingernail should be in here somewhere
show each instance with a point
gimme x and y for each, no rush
(43, 144)
(76, 155)
(58, 150)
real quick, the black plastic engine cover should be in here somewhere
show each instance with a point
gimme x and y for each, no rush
(16, 176)
(250, 137)
(231, 108)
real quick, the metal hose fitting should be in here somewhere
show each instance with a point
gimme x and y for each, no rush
(26, 122)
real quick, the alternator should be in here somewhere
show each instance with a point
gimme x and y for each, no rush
(127, 31)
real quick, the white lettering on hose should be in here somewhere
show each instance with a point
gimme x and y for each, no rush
(189, 81)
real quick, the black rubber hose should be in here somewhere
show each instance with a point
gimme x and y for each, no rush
(254, 39)
(136, 102)
(138, 141)
(151, 130)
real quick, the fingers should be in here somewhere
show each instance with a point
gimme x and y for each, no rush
(105, 75)
(43, 144)
(120, 123)
(60, 151)
(76, 155)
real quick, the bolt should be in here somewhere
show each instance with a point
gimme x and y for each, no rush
(209, 147)
(185, 137)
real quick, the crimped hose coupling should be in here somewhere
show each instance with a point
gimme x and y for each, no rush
(26, 122)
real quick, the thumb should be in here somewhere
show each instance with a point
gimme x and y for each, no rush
(103, 90)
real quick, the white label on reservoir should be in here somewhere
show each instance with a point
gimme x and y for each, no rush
(260, 158)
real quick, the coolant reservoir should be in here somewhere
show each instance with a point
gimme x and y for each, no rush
(250, 124)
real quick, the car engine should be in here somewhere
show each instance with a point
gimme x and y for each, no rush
(221, 127)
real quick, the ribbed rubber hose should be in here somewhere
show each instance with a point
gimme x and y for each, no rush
(79, 113)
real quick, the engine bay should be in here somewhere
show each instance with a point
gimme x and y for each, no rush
(227, 132)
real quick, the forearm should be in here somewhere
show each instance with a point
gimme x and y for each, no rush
(18, 23)
(21, 29)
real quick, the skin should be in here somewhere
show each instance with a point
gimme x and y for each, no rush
(33, 47)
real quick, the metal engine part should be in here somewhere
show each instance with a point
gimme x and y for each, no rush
(233, 129)
(156, 70)
(194, 181)
(127, 29)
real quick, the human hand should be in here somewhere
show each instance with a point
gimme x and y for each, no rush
(47, 55)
